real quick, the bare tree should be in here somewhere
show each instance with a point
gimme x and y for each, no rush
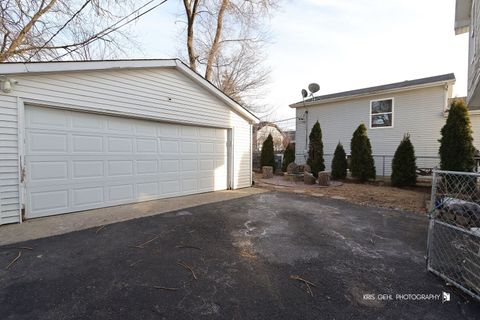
(226, 41)
(191, 11)
(48, 29)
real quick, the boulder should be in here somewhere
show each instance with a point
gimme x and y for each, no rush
(323, 178)
(292, 168)
(267, 172)
(307, 168)
(308, 178)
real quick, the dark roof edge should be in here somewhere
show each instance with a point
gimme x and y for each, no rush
(449, 77)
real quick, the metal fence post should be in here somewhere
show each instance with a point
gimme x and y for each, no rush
(430, 216)
(383, 168)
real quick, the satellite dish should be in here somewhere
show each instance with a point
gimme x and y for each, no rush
(304, 93)
(313, 87)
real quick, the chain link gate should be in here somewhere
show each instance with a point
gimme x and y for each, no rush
(453, 248)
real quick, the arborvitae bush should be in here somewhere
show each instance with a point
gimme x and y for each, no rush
(404, 167)
(288, 156)
(362, 165)
(315, 150)
(267, 157)
(456, 144)
(339, 163)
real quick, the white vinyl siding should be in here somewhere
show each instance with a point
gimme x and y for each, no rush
(160, 94)
(475, 123)
(418, 112)
(473, 96)
(9, 190)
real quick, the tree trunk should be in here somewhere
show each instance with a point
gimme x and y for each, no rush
(216, 40)
(191, 9)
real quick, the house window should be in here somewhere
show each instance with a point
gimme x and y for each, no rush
(381, 113)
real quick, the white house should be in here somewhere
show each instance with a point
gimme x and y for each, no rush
(262, 130)
(84, 135)
(467, 19)
(418, 107)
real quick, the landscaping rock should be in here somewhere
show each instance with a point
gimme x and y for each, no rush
(323, 178)
(267, 172)
(292, 168)
(308, 178)
(307, 168)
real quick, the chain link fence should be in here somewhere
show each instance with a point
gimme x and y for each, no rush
(453, 251)
(256, 155)
(383, 164)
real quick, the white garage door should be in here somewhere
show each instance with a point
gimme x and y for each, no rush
(77, 161)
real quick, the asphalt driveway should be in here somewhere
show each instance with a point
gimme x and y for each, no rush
(243, 253)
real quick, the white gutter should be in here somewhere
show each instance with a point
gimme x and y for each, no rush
(70, 66)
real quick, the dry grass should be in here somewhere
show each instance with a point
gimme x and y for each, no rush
(413, 199)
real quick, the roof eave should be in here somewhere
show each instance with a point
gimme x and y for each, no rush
(352, 97)
(462, 16)
(71, 66)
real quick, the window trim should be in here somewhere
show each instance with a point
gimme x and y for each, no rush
(393, 111)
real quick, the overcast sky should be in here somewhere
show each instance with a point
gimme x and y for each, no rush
(340, 44)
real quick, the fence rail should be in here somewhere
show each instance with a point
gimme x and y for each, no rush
(453, 246)
(383, 162)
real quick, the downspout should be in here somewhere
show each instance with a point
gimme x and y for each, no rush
(306, 136)
(306, 130)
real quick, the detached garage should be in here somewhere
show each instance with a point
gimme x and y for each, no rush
(82, 135)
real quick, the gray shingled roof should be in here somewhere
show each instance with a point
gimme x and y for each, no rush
(385, 87)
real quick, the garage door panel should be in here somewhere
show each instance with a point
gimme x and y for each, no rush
(189, 147)
(188, 131)
(46, 118)
(207, 164)
(148, 189)
(170, 165)
(48, 201)
(207, 132)
(82, 169)
(189, 185)
(87, 143)
(146, 145)
(79, 161)
(48, 170)
(147, 166)
(120, 192)
(220, 163)
(146, 129)
(87, 196)
(169, 130)
(189, 165)
(171, 187)
(41, 142)
(169, 146)
(207, 147)
(124, 145)
(122, 125)
(206, 183)
(119, 168)
(88, 122)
